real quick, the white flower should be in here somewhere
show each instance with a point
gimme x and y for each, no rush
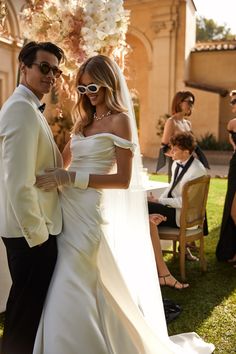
(54, 31)
(50, 10)
(39, 20)
(101, 35)
(80, 27)
(67, 24)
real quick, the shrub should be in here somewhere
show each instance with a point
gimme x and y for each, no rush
(161, 123)
(209, 142)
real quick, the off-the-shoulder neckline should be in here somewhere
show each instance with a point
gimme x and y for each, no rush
(100, 134)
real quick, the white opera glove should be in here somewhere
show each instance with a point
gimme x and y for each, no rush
(53, 178)
(81, 180)
(56, 177)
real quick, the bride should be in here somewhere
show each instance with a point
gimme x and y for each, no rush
(104, 297)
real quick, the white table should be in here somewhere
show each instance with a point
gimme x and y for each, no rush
(155, 187)
(5, 279)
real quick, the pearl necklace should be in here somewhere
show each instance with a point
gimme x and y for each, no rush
(101, 116)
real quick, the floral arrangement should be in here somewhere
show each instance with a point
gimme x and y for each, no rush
(82, 28)
(105, 27)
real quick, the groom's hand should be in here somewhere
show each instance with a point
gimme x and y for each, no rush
(53, 178)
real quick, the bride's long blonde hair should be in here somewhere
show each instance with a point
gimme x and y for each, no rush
(103, 71)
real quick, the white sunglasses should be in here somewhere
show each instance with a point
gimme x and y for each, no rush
(91, 88)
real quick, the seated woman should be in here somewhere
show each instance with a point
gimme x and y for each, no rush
(165, 277)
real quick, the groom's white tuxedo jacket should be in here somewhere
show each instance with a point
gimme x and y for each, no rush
(27, 148)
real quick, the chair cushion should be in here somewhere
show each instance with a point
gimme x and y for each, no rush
(176, 230)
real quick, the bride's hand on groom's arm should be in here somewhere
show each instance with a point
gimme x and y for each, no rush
(54, 178)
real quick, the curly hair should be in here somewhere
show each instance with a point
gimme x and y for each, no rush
(184, 141)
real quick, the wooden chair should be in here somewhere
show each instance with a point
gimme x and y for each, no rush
(194, 199)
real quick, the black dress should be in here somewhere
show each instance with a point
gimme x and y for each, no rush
(226, 247)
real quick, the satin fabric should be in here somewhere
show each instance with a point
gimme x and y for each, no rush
(91, 306)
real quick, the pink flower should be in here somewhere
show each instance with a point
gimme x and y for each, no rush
(81, 28)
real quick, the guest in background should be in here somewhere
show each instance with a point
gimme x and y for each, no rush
(184, 168)
(182, 106)
(226, 247)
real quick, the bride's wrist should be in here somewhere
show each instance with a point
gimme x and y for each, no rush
(80, 180)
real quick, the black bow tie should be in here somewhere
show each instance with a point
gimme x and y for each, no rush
(42, 107)
(180, 165)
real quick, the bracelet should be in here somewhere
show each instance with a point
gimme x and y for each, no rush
(81, 180)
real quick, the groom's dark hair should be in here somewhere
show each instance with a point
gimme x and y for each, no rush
(28, 53)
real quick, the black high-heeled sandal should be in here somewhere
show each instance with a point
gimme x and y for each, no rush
(192, 246)
(174, 285)
(189, 256)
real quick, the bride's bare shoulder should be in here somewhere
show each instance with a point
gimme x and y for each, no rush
(120, 115)
(121, 125)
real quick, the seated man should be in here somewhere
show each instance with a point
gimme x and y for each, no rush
(184, 168)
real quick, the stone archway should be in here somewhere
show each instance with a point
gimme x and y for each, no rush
(12, 23)
(137, 72)
(10, 44)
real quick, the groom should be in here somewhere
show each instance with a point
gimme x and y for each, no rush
(29, 217)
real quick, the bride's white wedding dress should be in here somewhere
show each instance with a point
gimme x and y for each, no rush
(90, 308)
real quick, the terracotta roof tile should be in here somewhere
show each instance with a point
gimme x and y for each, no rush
(214, 45)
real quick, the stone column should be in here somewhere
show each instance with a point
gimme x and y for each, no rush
(161, 75)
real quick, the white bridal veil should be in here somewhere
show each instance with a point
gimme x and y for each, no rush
(127, 233)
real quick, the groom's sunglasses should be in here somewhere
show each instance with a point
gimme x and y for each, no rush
(91, 88)
(233, 102)
(45, 68)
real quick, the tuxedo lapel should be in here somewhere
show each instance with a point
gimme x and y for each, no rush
(184, 170)
(42, 120)
(48, 132)
(180, 176)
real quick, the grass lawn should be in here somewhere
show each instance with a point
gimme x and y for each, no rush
(209, 305)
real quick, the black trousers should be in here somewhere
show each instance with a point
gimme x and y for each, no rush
(156, 208)
(31, 271)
